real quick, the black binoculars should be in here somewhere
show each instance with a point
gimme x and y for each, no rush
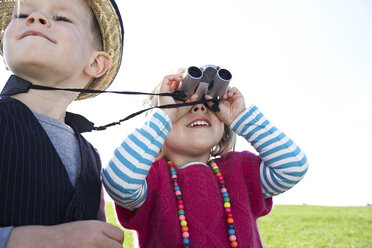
(206, 80)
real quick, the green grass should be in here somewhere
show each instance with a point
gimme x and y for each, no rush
(316, 226)
(111, 218)
(290, 226)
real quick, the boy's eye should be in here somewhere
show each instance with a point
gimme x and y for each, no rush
(62, 18)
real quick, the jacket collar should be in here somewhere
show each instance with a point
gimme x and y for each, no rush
(16, 85)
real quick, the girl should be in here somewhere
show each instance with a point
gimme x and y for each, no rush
(168, 189)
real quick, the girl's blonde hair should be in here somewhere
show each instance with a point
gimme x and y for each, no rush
(228, 140)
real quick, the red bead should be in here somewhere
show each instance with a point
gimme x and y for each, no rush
(227, 210)
(176, 184)
(181, 206)
(179, 202)
(222, 181)
(229, 215)
(234, 244)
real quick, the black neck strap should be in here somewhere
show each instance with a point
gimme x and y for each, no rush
(24, 86)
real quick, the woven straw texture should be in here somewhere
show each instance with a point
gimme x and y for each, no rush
(111, 32)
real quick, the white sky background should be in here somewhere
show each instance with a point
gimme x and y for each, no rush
(305, 64)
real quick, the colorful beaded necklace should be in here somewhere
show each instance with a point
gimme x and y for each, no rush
(181, 208)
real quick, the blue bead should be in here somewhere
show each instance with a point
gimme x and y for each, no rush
(177, 188)
(174, 172)
(231, 232)
(175, 179)
(222, 186)
(186, 241)
(179, 197)
(225, 194)
(231, 226)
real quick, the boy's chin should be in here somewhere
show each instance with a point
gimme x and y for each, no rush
(33, 71)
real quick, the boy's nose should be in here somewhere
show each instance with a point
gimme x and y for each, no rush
(37, 18)
(199, 107)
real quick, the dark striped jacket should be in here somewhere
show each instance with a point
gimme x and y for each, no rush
(34, 185)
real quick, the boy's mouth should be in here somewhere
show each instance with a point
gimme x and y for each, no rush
(35, 33)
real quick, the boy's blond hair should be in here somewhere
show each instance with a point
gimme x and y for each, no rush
(228, 140)
(108, 24)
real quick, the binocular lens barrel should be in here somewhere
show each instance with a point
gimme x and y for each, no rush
(219, 83)
(191, 81)
(218, 80)
(224, 74)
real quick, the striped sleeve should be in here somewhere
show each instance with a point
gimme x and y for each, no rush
(283, 163)
(124, 177)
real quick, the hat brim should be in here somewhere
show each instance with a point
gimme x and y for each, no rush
(110, 23)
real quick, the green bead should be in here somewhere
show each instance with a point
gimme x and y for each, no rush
(226, 199)
(172, 169)
(216, 170)
(181, 212)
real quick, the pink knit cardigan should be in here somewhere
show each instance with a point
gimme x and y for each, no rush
(156, 221)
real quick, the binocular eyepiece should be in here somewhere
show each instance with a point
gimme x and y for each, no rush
(206, 80)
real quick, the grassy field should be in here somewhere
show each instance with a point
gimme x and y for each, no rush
(289, 226)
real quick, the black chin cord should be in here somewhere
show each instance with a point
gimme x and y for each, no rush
(175, 95)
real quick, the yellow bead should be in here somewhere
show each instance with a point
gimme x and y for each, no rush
(215, 167)
(184, 223)
(227, 204)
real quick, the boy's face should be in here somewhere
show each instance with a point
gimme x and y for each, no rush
(49, 39)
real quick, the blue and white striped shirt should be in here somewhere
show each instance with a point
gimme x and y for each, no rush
(283, 163)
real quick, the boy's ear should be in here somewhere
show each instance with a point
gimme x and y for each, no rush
(6, 66)
(100, 64)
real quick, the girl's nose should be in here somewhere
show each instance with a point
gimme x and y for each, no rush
(37, 18)
(199, 107)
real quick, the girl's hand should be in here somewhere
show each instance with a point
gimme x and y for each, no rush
(170, 84)
(231, 105)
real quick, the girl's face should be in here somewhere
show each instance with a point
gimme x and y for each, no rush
(195, 133)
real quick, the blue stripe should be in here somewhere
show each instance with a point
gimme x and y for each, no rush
(157, 130)
(273, 178)
(149, 137)
(240, 121)
(123, 176)
(257, 129)
(289, 164)
(265, 134)
(262, 182)
(284, 179)
(135, 155)
(144, 147)
(251, 123)
(284, 156)
(163, 121)
(113, 184)
(275, 149)
(266, 180)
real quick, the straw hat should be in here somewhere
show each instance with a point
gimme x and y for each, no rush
(112, 32)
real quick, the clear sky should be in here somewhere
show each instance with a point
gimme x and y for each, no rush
(305, 64)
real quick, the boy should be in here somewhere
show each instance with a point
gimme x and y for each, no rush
(49, 174)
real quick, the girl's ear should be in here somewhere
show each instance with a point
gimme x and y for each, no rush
(100, 64)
